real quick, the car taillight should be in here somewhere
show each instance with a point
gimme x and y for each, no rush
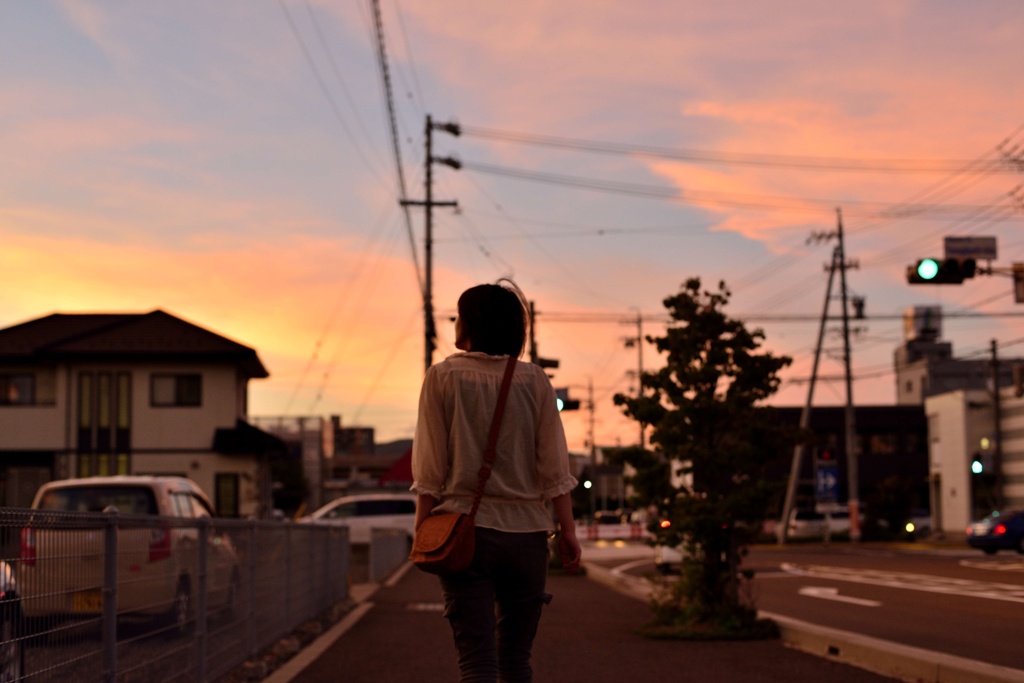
(665, 524)
(999, 530)
(160, 544)
(28, 547)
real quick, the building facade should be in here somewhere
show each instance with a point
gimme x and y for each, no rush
(976, 454)
(106, 394)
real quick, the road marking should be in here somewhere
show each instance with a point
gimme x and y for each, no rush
(920, 582)
(425, 607)
(827, 593)
(995, 565)
(623, 568)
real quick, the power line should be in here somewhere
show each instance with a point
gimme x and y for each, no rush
(395, 147)
(713, 198)
(321, 83)
(999, 165)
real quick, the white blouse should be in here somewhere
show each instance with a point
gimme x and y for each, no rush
(532, 465)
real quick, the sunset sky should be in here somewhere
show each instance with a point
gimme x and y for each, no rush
(230, 162)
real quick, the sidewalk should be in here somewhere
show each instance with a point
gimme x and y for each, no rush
(587, 635)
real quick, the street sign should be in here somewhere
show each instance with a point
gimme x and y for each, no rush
(826, 483)
(978, 248)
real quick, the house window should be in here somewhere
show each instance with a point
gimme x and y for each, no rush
(226, 495)
(17, 390)
(176, 390)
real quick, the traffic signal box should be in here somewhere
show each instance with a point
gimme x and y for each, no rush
(933, 271)
(564, 402)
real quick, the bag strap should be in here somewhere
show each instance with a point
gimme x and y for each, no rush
(492, 437)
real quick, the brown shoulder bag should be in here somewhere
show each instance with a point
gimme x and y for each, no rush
(444, 543)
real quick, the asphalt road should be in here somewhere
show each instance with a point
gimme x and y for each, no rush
(957, 602)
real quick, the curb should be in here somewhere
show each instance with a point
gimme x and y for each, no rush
(883, 657)
(887, 658)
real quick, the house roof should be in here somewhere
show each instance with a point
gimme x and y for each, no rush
(156, 335)
(245, 439)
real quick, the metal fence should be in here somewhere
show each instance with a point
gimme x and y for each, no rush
(105, 597)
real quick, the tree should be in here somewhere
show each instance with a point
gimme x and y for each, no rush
(711, 442)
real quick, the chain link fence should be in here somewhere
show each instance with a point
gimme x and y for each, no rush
(108, 597)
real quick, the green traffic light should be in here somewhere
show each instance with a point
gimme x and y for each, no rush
(928, 269)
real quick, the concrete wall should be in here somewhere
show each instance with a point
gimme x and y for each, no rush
(1013, 448)
(956, 423)
(181, 427)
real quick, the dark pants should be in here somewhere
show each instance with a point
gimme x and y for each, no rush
(494, 607)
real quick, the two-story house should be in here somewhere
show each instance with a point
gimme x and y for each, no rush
(103, 394)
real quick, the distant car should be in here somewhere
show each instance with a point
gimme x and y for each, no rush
(813, 524)
(61, 566)
(365, 511)
(610, 517)
(999, 531)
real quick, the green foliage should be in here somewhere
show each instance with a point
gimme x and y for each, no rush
(711, 442)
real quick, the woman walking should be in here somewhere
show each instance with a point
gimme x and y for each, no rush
(494, 607)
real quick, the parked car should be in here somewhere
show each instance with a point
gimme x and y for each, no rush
(61, 567)
(998, 531)
(813, 524)
(365, 511)
(12, 645)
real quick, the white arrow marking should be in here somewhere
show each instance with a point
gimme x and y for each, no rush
(827, 593)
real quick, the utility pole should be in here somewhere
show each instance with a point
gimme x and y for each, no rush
(997, 432)
(805, 415)
(839, 263)
(638, 340)
(640, 367)
(533, 337)
(429, 330)
(852, 474)
(591, 409)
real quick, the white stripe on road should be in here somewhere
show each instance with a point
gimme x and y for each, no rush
(918, 582)
(833, 594)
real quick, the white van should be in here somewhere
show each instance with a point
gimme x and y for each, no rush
(61, 564)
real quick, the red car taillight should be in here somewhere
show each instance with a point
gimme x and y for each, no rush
(160, 544)
(999, 530)
(28, 547)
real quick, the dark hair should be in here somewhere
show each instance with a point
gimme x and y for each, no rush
(495, 318)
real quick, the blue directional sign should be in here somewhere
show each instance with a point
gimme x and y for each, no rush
(826, 482)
